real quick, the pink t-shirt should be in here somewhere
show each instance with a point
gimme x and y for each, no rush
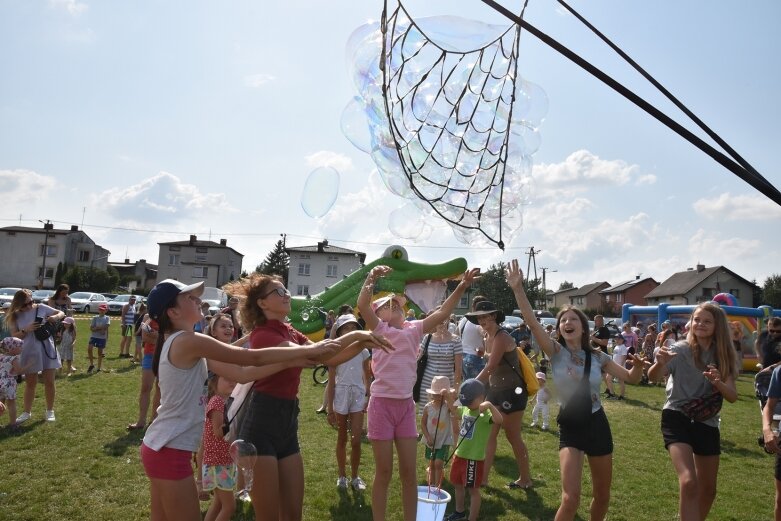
(395, 372)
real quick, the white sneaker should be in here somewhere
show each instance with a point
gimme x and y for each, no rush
(342, 483)
(544, 427)
(359, 485)
(50, 416)
(23, 417)
(533, 424)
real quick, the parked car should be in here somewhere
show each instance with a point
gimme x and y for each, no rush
(86, 302)
(216, 298)
(41, 296)
(6, 296)
(115, 305)
(511, 323)
(109, 296)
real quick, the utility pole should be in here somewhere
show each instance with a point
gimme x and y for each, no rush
(544, 287)
(532, 260)
(46, 227)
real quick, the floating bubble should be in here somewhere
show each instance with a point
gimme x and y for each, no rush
(244, 454)
(320, 191)
(406, 222)
(518, 390)
(355, 126)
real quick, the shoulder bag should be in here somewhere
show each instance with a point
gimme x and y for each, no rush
(576, 413)
(422, 361)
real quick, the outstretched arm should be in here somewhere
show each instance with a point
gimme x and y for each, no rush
(514, 277)
(443, 313)
(365, 296)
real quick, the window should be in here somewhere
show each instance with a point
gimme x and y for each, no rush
(607, 298)
(200, 272)
(201, 249)
(735, 292)
(331, 270)
(303, 256)
(707, 292)
(463, 302)
(579, 300)
(334, 258)
(303, 270)
(83, 256)
(174, 248)
(49, 273)
(173, 259)
(200, 257)
(619, 297)
(51, 250)
(302, 290)
(11, 233)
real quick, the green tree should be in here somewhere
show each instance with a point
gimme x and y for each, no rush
(566, 285)
(58, 274)
(493, 286)
(276, 262)
(771, 291)
(91, 279)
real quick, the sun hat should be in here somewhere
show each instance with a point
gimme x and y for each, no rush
(346, 319)
(9, 343)
(484, 308)
(470, 390)
(165, 292)
(400, 300)
(541, 376)
(68, 320)
(439, 384)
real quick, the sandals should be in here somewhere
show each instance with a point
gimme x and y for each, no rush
(516, 485)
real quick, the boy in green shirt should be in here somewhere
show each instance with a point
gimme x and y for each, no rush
(478, 419)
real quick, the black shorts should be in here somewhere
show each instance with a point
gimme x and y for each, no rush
(678, 428)
(595, 440)
(507, 400)
(778, 467)
(271, 424)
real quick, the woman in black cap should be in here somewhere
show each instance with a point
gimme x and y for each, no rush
(507, 389)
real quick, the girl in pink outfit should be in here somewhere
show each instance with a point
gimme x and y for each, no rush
(391, 410)
(218, 471)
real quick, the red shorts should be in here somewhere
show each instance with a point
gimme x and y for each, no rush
(466, 472)
(167, 463)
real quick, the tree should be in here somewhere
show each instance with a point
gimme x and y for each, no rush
(91, 279)
(566, 285)
(276, 262)
(771, 291)
(58, 274)
(493, 286)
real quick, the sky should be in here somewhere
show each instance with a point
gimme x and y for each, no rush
(149, 121)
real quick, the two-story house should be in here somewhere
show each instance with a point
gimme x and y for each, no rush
(628, 292)
(701, 284)
(587, 297)
(315, 268)
(560, 298)
(193, 261)
(143, 275)
(29, 256)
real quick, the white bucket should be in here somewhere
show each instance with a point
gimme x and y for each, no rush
(432, 503)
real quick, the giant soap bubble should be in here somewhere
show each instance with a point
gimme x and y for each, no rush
(457, 125)
(320, 191)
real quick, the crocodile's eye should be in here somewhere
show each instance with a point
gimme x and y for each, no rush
(396, 252)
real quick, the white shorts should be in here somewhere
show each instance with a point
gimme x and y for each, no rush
(349, 399)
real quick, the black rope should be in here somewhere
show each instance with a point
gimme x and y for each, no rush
(750, 176)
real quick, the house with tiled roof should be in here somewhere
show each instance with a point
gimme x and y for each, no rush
(701, 284)
(587, 297)
(214, 263)
(317, 267)
(627, 292)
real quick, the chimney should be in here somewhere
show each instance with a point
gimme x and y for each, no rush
(193, 238)
(223, 242)
(322, 245)
(74, 227)
(700, 268)
(637, 277)
(127, 261)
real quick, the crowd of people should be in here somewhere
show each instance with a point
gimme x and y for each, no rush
(471, 381)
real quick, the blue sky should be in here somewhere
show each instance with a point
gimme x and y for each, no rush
(195, 117)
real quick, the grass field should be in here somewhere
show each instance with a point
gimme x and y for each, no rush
(86, 465)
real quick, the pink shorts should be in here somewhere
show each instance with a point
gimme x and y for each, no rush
(391, 418)
(167, 463)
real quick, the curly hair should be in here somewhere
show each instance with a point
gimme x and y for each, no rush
(249, 290)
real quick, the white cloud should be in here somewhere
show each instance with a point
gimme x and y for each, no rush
(337, 161)
(162, 199)
(24, 186)
(714, 249)
(73, 7)
(258, 80)
(582, 169)
(730, 207)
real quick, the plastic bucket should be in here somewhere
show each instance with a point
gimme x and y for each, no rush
(432, 503)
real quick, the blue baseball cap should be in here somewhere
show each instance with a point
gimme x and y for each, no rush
(165, 292)
(469, 390)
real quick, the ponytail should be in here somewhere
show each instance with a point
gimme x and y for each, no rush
(164, 324)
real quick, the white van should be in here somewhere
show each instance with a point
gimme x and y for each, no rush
(216, 298)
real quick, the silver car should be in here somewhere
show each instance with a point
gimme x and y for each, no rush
(6, 296)
(115, 305)
(86, 302)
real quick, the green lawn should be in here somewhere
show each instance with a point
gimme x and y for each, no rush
(86, 465)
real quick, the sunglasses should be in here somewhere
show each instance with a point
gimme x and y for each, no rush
(282, 292)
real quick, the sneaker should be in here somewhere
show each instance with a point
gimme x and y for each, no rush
(455, 516)
(621, 397)
(23, 417)
(50, 416)
(90, 368)
(544, 427)
(359, 485)
(342, 483)
(533, 424)
(608, 393)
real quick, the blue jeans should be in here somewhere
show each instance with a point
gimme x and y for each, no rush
(471, 366)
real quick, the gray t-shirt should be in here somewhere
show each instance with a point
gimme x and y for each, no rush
(567, 367)
(99, 321)
(686, 380)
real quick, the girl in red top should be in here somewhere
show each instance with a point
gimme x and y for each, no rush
(271, 418)
(218, 471)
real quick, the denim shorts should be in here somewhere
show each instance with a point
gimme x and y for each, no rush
(271, 424)
(471, 366)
